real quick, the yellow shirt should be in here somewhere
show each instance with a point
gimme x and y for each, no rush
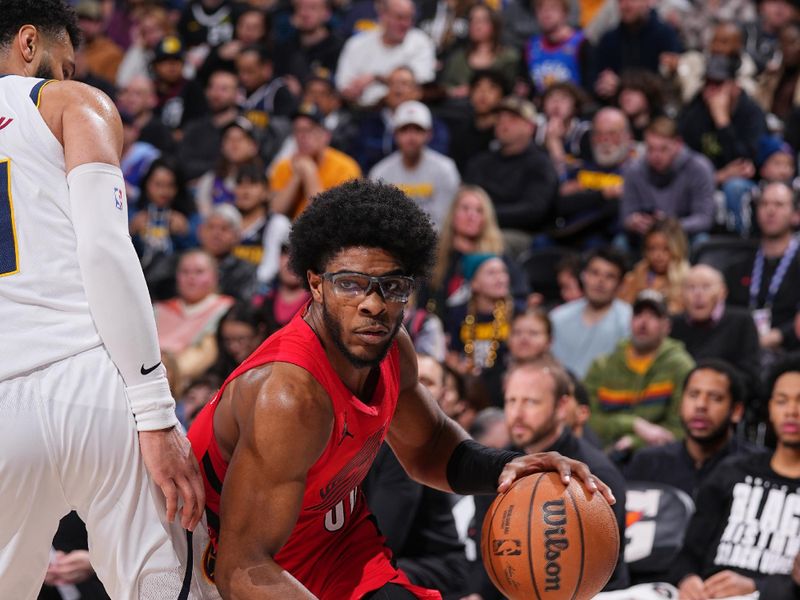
(333, 169)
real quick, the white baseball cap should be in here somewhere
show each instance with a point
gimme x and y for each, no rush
(412, 113)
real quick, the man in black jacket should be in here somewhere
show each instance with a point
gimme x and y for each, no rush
(536, 398)
(518, 176)
(745, 534)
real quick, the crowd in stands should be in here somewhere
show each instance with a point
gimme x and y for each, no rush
(614, 184)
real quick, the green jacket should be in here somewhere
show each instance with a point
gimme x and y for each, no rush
(618, 393)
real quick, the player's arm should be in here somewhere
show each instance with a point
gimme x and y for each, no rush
(437, 452)
(87, 124)
(285, 420)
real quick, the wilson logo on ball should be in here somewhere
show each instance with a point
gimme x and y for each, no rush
(555, 516)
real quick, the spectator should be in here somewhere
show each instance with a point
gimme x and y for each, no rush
(670, 181)
(426, 176)
(469, 227)
(240, 331)
(376, 141)
(530, 337)
(136, 158)
(535, 398)
(762, 36)
(239, 148)
(165, 223)
(711, 406)
(779, 90)
(560, 52)
(251, 199)
(591, 326)
(518, 176)
(768, 284)
(776, 161)
(473, 129)
(641, 40)
(425, 330)
(219, 235)
(445, 22)
(635, 390)
(186, 323)
(202, 137)
(368, 58)
(315, 167)
(568, 272)
(478, 331)
(742, 537)
(177, 101)
(696, 22)
(664, 266)
(561, 130)
(724, 123)
(102, 55)
(252, 29)
(150, 27)
(311, 45)
(265, 96)
(320, 91)
(482, 51)
(489, 428)
(641, 98)
(206, 24)
(727, 40)
(197, 394)
(587, 213)
(287, 294)
(711, 330)
(138, 100)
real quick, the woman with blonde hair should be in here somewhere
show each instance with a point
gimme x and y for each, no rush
(663, 267)
(469, 227)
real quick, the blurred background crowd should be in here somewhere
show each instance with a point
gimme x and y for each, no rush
(614, 187)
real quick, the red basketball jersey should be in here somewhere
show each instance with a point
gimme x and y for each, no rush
(335, 549)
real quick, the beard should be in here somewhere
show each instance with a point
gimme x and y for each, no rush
(607, 155)
(45, 68)
(712, 437)
(335, 330)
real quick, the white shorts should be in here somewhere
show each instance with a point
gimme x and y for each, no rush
(68, 441)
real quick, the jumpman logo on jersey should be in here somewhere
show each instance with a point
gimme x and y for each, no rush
(345, 431)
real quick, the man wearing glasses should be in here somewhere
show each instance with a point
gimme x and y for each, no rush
(291, 434)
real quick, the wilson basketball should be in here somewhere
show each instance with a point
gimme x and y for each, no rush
(542, 540)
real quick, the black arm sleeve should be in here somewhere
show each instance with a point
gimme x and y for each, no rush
(475, 469)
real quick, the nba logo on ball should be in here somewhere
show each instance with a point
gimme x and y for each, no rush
(118, 198)
(543, 540)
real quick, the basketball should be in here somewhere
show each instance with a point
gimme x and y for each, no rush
(542, 540)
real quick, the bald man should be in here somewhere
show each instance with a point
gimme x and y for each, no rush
(710, 329)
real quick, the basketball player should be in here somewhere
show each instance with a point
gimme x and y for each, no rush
(87, 421)
(291, 434)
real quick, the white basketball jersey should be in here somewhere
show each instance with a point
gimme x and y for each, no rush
(44, 313)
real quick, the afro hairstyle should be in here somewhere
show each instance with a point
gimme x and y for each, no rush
(362, 213)
(52, 17)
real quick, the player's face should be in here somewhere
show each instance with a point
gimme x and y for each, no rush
(784, 409)
(707, 410)
(530, 407)
(57, 61)
(528, 339)
(362, 328)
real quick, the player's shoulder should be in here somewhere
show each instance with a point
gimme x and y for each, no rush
(75, 94)
(278, 387)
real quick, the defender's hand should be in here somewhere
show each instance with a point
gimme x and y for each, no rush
(169, 460)
(552, 461)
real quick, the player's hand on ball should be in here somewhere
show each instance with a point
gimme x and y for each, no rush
(169, 460)
(552, 461)
(728, 583)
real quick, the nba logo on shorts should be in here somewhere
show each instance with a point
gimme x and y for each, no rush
(118, 198)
